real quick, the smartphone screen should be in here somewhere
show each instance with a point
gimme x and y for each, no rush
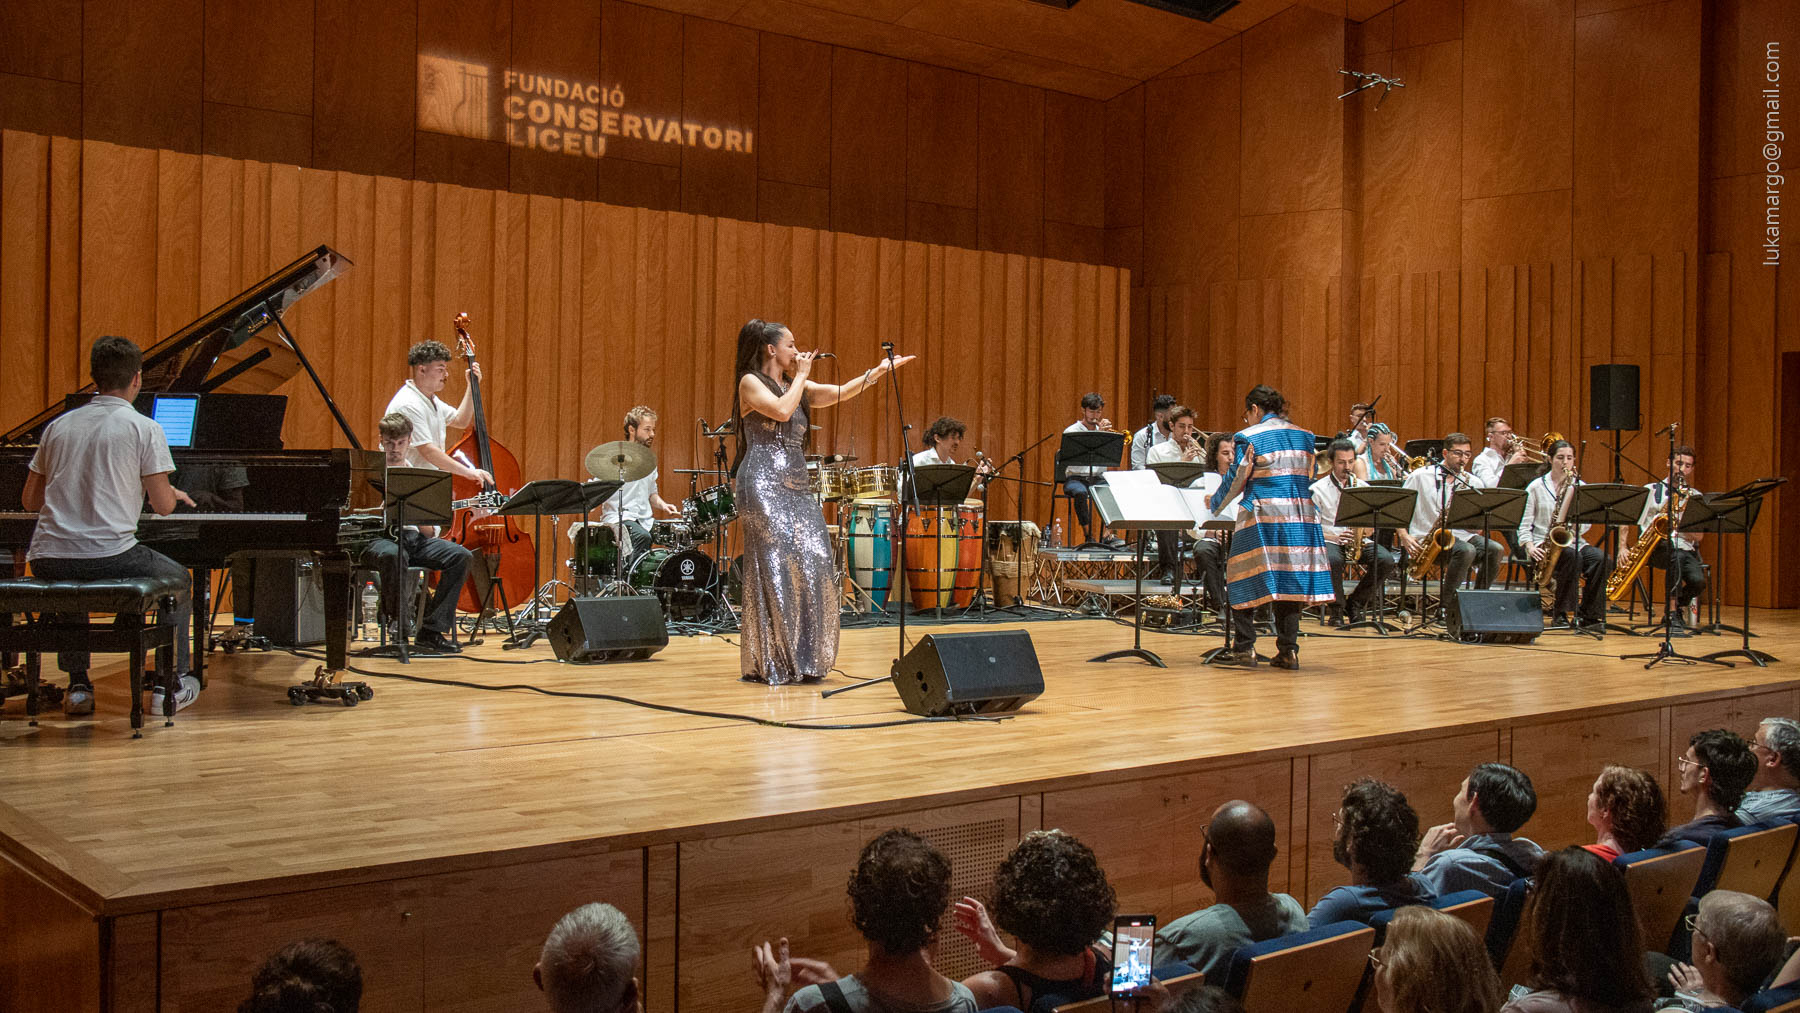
(1133, 938)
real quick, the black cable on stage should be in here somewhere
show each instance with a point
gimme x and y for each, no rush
(648, 705)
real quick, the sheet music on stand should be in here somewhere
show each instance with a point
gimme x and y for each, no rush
(1139, 501)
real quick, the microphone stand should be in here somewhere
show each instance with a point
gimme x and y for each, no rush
(1666, 651)
(908, 482)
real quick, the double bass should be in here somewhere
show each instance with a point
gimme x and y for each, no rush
(501, 547)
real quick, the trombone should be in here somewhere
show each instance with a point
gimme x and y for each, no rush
(1534, 449)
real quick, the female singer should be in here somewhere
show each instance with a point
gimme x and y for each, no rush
(1277, 550)
(790, 614)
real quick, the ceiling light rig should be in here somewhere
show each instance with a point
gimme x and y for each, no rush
(1370, 80)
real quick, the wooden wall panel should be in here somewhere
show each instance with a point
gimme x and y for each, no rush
(794, 112)
(868, 144)
(1074, 166)
(580, 310)
(1518, 96)
(56, 966)
(1147, 834)
(1011, 177)
(652, 87)
(1293, 136)
(141, 72)
(259, 55)
(941, 136)
(364, 83)
(720, 69)
(559, 38)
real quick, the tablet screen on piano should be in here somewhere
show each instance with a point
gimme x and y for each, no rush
(175, 414)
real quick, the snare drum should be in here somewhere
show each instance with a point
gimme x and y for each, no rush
(870, 549)
(943, 556)
(675, 534)
(879, 482)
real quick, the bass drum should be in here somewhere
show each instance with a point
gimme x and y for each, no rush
(681, 578)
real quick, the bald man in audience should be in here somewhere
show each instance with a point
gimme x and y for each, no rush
(1738, 943)
(1775, 790)
(1236, 851)
(587, 963)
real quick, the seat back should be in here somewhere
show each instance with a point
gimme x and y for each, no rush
(1503, 927)
(1316, 971)
(1472, 906)
(1105, 1004)
(1774, 1000)
(1660, 883)
(1749, 859)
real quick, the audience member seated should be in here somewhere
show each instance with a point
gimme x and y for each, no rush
(1477, 850)
(1626, 810)
(1775, 791)
(310, 976)
(899, 892)
(1377, 835)
(1051, 895)
(587, 962)
(1205, 999)
(1586, 951)
(1716, 770)
(1431, 962)
(1738, 942)
(1236, 850)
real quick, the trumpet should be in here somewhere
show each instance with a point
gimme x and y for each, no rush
(1534, 449)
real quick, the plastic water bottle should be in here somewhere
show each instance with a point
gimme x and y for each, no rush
(1056, 534)
(371, 610)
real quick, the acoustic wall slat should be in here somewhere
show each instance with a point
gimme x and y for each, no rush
(24, 266)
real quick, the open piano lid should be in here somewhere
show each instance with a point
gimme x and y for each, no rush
(227, 348)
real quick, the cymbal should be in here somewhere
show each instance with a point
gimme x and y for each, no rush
(624, 460)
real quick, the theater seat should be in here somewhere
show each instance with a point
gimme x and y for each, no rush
(1774, 1000)
(1660, 883)
(1316, 971)
(1749, 859)
(1176, 984)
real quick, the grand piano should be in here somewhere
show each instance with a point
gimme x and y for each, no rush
(319, 503)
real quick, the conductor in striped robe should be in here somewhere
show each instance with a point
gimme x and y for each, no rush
(1277, 550)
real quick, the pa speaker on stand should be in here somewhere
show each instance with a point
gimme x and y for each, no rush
(1613, 396)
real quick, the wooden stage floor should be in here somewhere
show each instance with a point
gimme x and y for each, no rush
(248, 797)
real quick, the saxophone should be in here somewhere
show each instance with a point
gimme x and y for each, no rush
(1619, 584)
(1437, 542)
(1561, 537)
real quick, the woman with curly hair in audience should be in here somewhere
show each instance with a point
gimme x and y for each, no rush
(1586, 951)
(1625, 808)
(1051, 895)
(1432, 962)
(899, 892)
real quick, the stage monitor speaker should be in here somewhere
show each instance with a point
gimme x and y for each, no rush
(969, 673)
(1613, 396)
(589, 630)
(1496, 617)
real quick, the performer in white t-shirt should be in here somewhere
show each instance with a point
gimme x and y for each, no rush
(943, 445)
(417, 399)
(638, 499)
(88, 481)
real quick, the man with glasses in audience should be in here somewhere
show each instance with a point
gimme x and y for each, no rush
(1775, 791)
(1716, 769)
(1738, 942)
(1237, 848)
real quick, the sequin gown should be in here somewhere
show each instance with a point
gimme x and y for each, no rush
(790, 614)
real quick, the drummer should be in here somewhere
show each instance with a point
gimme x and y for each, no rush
(638, 498)
(943, 445)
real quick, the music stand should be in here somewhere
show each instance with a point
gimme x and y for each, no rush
(939, 485)
(1518, 476)
(1380, 508)
(1608, 504)
(1735, 513)
(1182, 475)
(1089, 449)
(410, 497)
(1162, 514)
(1497, 509)
(536, 499)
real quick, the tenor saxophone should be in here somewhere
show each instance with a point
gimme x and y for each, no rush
(1437, 542)
(1561, 537)
(1619, 584)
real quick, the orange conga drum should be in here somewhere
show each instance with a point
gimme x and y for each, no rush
(943, 555)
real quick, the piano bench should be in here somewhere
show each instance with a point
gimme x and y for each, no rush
(130, 598)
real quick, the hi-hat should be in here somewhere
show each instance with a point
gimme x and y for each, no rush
(624, 460)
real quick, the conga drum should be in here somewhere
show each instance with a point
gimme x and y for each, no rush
(870, 548)
(943, 556)
(1012, 559)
